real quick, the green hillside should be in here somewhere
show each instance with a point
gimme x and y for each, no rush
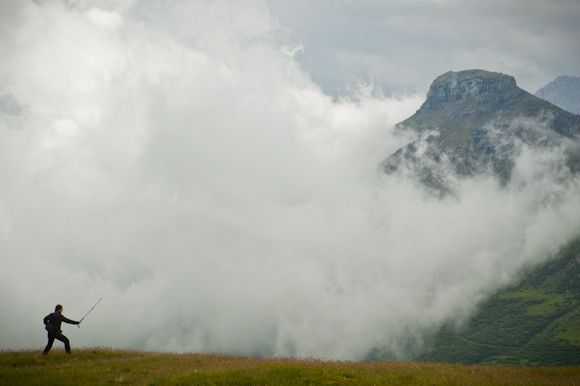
(534, 323)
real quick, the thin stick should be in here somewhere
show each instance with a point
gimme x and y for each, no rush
(89, 312)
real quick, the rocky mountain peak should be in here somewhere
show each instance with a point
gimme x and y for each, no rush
(454, 86)
(474, 122)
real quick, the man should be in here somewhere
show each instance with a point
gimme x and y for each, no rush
(52, 324)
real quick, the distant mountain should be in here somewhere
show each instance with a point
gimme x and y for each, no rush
(564, 92)
(472, 122)
(536, 323)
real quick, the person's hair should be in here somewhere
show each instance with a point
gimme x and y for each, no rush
(57, 308)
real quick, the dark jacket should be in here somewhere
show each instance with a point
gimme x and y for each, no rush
(52, 322)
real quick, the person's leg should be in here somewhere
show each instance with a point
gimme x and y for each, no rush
(64, 340)
(49, 344)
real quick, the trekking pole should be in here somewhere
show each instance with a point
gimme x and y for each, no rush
(79, 325)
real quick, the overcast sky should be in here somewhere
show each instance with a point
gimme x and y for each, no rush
(182, 161)
(402, 46)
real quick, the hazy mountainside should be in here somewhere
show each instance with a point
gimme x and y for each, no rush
(564, 92)
(476, 121)
(534, 323)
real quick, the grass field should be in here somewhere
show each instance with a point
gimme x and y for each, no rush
(100, 366)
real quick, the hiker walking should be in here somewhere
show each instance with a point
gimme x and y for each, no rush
(52, 324)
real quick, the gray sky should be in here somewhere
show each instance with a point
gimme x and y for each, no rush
(402, 46)
(179, 161)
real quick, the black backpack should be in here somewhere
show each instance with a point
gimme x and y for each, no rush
(49, 326)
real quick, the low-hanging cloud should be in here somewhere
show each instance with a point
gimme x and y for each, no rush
(197, 179)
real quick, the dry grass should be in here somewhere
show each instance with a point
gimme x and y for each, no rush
(101, 366)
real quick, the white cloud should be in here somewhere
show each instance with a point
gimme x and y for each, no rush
(104, 19)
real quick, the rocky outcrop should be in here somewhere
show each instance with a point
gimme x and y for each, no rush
(454, 86)
(564, 92)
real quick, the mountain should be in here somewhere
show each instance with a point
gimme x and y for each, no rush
(564, 92)
(535, 323)
(474, 122)
(477, 122)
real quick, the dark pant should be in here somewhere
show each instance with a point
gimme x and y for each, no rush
(56, 335)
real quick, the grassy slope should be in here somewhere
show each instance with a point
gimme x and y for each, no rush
(102, 367)
(534, 323)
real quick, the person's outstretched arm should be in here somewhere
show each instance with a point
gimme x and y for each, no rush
(66, 320)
